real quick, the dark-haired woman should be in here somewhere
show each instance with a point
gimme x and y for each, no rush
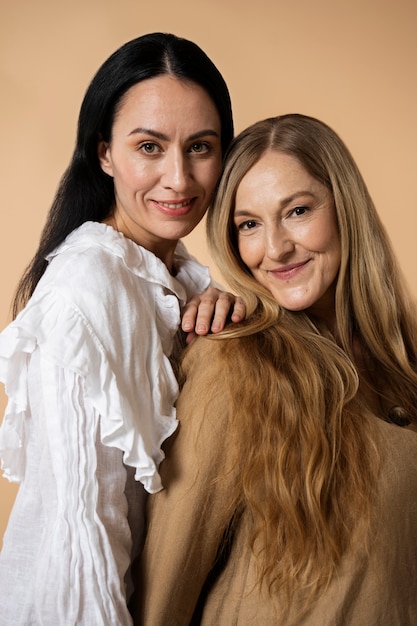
(86, 361)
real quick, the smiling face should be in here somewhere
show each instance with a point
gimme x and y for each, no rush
(288, 235)
(165, 159)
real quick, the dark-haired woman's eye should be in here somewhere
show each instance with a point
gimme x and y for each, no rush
(149, 147)
(200, 147)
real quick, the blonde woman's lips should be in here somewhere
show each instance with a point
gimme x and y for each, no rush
(289, 271)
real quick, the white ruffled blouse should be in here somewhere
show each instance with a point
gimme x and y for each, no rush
(91, 399)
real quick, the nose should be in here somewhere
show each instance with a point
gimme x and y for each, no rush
(176, 171)
(278, 242)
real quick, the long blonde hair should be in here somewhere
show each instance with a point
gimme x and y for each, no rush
(301, 434)
(372, 303)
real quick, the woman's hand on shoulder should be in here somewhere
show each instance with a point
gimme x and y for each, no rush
(210, 311)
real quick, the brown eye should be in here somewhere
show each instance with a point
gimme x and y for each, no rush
(300, 210)
(248, 225)
(149, 147)
(200, 147)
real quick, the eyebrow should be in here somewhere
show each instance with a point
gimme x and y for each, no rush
(283, 203)
(154, 133)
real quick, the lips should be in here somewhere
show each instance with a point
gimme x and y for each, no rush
(178, 208)
(289, 271)
(175, 205)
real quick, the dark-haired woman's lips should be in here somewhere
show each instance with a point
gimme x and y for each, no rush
(176, 208)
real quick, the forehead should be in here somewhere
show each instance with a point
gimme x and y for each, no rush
(278, 173)
(166, 99)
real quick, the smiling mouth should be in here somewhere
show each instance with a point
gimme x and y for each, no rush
(175, 205)
(290, 268)
(284, 273)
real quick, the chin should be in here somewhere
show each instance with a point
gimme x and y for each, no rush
(295, 307)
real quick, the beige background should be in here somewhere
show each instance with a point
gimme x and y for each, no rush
(351, 63)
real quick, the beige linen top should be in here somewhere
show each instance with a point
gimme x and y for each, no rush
(187, 522)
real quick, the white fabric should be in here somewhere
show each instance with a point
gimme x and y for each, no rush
(91, 393)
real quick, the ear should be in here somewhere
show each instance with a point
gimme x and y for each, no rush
(103, 152)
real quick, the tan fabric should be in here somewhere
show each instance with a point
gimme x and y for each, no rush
(187, 521)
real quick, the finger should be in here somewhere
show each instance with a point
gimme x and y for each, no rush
(211, 310)
(224, 307)
(212, 301)
(215, 313)
(230, 308)
(189, 315)
(190, 337)
(239, 310)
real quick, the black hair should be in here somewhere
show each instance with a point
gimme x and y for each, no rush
(86, 192)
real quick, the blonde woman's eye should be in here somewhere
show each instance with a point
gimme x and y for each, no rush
(248, 225)
(299, 210)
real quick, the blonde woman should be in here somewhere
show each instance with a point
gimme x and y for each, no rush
(292, 483)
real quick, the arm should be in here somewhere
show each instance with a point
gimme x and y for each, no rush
(210, 311)
(85, 548)
(188, 518)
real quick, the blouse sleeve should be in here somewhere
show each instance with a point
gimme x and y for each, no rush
(65, 409)
(136, 409)
(85, 549)
(187, 520)
(81, 532)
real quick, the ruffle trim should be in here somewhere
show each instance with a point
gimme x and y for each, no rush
(192, 277)
(65, 337)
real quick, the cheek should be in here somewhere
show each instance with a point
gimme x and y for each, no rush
(209, 176)
(250, 251)
(131, 176)
(324, 238)
(334, 248)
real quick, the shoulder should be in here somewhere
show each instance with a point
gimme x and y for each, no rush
(220, 349)
(204, 376)
(201, 364)
(96, 263)
(207, 357)
(89, 251)
(213, 371)
(201, 349)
